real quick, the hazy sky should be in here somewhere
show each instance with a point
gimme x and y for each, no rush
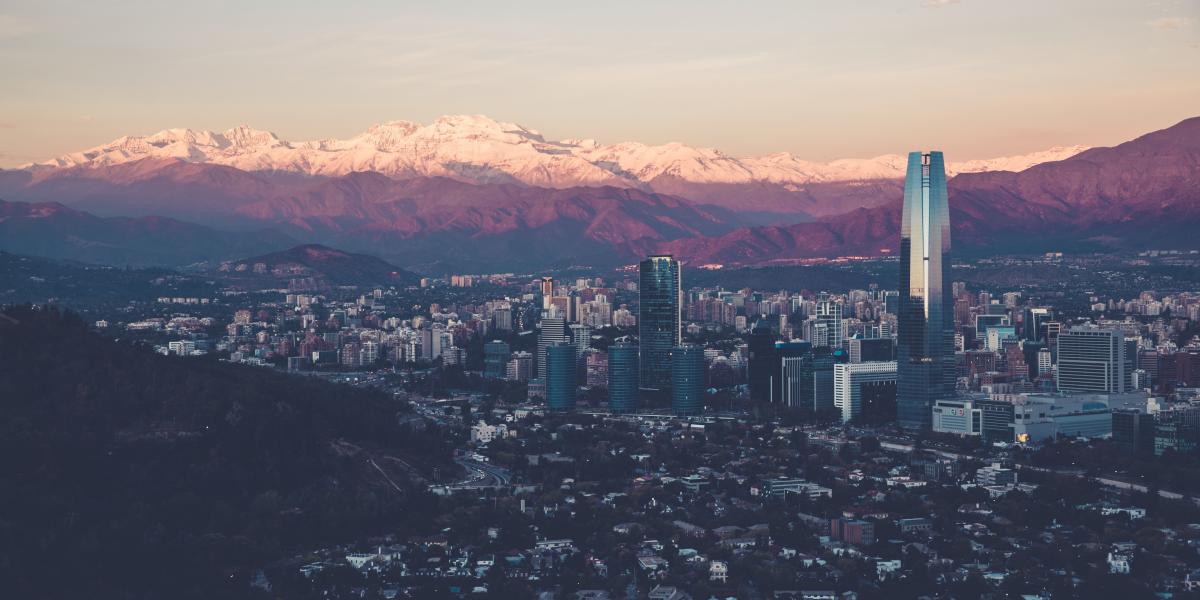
(975, 78)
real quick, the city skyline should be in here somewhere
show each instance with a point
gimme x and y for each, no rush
(394, 301)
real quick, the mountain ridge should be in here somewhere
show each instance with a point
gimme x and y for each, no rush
(478, 149)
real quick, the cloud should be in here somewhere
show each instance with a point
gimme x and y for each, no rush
(938, 3)
(1170, 23)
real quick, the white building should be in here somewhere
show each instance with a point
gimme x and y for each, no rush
(959, 416)
(856, 383)
(483, 433)
(718, 571)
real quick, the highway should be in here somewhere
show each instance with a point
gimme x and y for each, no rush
(480, 476)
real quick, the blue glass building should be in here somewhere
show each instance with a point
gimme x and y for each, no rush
(687, 380)
(496, 355)
(925, 316)
(560, 376)
(622, 378)
(658, 319)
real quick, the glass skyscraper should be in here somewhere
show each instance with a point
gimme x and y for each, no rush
(925, 316)
(658, 320)
(688, 385)
(560, 376)
(622, 378)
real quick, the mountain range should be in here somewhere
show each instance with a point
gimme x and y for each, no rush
(477, 149)
(471, 192)
(1144, 193)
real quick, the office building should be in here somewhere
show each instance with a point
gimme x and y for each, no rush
(1091, 359)
(925, 351)
(658, 320)
(1133, 430)
(865, 391)
(496, 355)
(959, 416)
(622, 378)
(581, 337)
(762, 360)
(520, 367)
(871, 349)
(560, 376)
(553, 331)
(793, 379)
(828, 326)
(547, 290)
(687, 380)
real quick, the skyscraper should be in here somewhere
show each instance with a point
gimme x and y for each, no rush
(554, 330)
(794, 380)
(925, 354)
(761, 345)
(495, 359)
(687, 379)
(560, 376)
(1092, 360)
(622, 378)
(829, 315)
(658, 319)
(547, 290)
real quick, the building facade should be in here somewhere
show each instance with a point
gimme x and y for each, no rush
(687, 380)
(660, 294)
(622, 378)
(925, 351)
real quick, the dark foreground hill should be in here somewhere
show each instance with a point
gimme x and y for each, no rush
(126, 474)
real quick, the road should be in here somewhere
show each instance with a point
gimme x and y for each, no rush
(481, 476)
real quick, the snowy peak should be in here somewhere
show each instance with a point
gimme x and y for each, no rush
(478, 149)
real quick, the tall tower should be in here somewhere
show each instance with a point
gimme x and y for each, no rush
(560, 376)
(547, 289)
(622, 378)
(829, 313)
(554, 330)
(658, 320)
(687, 385)
(925, 354)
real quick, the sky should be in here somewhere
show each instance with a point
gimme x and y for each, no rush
(823, 80)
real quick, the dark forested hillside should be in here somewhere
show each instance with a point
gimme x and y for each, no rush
(143, 475)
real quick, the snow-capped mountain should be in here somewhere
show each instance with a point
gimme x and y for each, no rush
(477, 149)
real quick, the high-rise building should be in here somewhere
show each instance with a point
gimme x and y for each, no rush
(496, 355)
(595, 368)
(622, 377)
(520, 367)
(793, 380)
(871, 349)
(761, 346)
(581, 337)
(560, 376)
(1033, 323)
(829, 319)
(925, 354)
(866, 390)
(547, 290)
(687, 379)
(554, 330)
(658, 320)
(1091, 359)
